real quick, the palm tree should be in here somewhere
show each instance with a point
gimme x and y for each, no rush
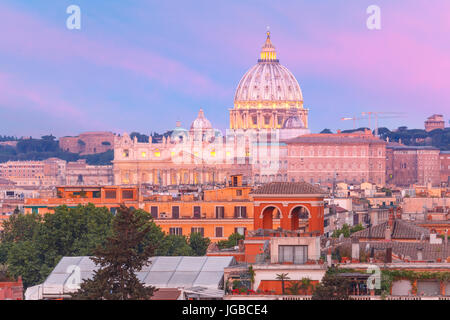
(282, 277)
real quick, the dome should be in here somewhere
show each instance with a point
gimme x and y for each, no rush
(201, 123)
(293, 122)
(268, 81)
(179, 134)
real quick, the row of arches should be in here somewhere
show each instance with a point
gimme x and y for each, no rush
(297, 216)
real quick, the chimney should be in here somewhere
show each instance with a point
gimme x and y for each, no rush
(388, 258)
(329, 257)
(419, 254)
(388, 232)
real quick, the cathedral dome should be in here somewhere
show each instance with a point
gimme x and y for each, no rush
(293, 122)
(269, 81)
(201, 123)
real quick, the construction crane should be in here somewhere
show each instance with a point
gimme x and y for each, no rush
(376, 113)
(352, 118)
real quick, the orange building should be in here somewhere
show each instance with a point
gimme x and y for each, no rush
(216, 213)
(108, 196)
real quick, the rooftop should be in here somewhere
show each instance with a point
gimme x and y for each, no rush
(287, 188)
(400, 230)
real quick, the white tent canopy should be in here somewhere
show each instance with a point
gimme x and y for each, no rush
(162, 272)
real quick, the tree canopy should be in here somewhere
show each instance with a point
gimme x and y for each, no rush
(332, 287)
(119, 258)
(31, 245)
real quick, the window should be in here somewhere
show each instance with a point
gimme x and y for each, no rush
(240, 230)
(127, 194)
(240, 212)
(154, 212)
(175, 212)
(176, 231)
(220, 212)
(238, 192)
(126, 153)
(219, 232)
(198, 230)
(95, 194)
(293, 254)
(196, 212)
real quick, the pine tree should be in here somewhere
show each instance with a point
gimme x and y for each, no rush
(119, 259)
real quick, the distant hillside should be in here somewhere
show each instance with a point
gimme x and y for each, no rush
(415, 137)
(48, 147)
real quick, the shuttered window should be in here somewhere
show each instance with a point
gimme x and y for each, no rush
(240, 212)
(219, 232)
(196, 212)
(175, 212)
(198, 230)
(293, 254)
(176, 231)
(220, 212)
(154, 212)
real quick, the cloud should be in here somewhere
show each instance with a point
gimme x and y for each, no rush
(34, 39)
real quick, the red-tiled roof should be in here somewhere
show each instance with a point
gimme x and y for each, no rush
(287, 188)
(401, 230)
(335, 138)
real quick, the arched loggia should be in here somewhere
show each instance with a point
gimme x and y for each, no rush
(299, 216)
(267, 215)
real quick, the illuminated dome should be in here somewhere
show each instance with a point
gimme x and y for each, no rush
(201, 123)
(269, 81)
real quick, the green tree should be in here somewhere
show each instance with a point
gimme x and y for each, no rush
(119, 259)
(332, 287)
(21, 227)
(175, 245)
(283, 277)
(233, 240)
(32, 245)
(23, 260)
(294, 288)
(198, 243)
(305, 284)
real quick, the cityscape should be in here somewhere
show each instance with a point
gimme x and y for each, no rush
(275, 201)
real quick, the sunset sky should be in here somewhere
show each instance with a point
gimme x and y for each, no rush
(142, 65)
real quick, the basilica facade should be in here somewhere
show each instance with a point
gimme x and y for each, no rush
(266, 122)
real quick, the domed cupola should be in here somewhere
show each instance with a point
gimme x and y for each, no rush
(293, 122)
(201, 128)
(179, 134)
(267, 94)
(201, 123)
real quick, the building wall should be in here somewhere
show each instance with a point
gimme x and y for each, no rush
(354, 160)
(412, 165)
(88, 143)
(49, 172)
(444, 158)
(436, 121)
(80, 173)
